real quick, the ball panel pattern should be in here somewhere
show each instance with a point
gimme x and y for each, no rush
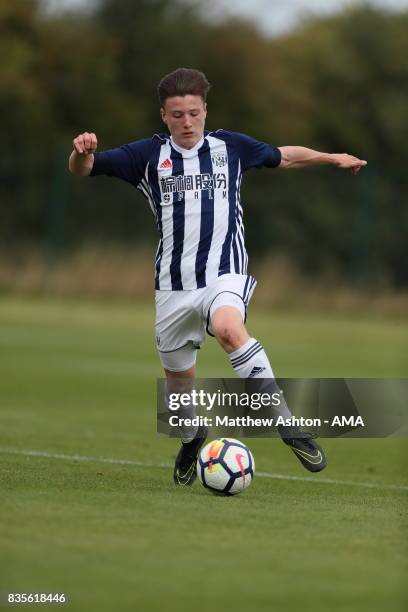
(226, 466)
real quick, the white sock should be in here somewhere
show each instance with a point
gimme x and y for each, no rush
(186, 433)
(251, 361)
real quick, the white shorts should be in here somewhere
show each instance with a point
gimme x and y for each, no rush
(183, 317)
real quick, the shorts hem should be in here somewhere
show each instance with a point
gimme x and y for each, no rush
(177, 369)
(175, 349)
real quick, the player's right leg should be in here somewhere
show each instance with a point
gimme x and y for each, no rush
(179, 334)
(185, 470)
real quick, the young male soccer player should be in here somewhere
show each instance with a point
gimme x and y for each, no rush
(191, 179)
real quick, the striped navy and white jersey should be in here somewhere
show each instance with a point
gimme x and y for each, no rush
(195, 197)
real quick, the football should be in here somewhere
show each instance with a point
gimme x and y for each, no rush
(226, 466)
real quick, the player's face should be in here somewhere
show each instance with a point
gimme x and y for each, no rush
(185, 118)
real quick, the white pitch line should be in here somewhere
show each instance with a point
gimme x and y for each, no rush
(317, 479)
(31, 453)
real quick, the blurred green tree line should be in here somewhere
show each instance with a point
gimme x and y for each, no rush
(334, 84)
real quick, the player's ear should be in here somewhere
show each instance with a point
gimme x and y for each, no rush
(163, 115)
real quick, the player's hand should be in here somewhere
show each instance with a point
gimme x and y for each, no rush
(85, 143)
(344, 160)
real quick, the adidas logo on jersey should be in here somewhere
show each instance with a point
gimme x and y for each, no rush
(167, 163)
(255, 371)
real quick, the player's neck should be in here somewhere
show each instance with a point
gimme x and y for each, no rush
(188, 147)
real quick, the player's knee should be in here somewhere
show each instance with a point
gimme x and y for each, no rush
(230, 334)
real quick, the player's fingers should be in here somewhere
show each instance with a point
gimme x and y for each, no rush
(356, 164)
(94, 142)
(78, 144)
(360, 162)
(87, 141)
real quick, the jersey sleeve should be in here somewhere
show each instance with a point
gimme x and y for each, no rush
(127, 162)
(254, 153)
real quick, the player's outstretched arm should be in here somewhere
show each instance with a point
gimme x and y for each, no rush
(81, 159)
(300, 157)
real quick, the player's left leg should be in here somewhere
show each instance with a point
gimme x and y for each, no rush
(249, 360)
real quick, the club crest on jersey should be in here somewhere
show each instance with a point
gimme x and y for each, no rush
(219, 159)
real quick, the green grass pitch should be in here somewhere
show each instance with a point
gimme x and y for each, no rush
(78, 379)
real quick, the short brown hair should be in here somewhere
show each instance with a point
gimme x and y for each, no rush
(183, 82)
